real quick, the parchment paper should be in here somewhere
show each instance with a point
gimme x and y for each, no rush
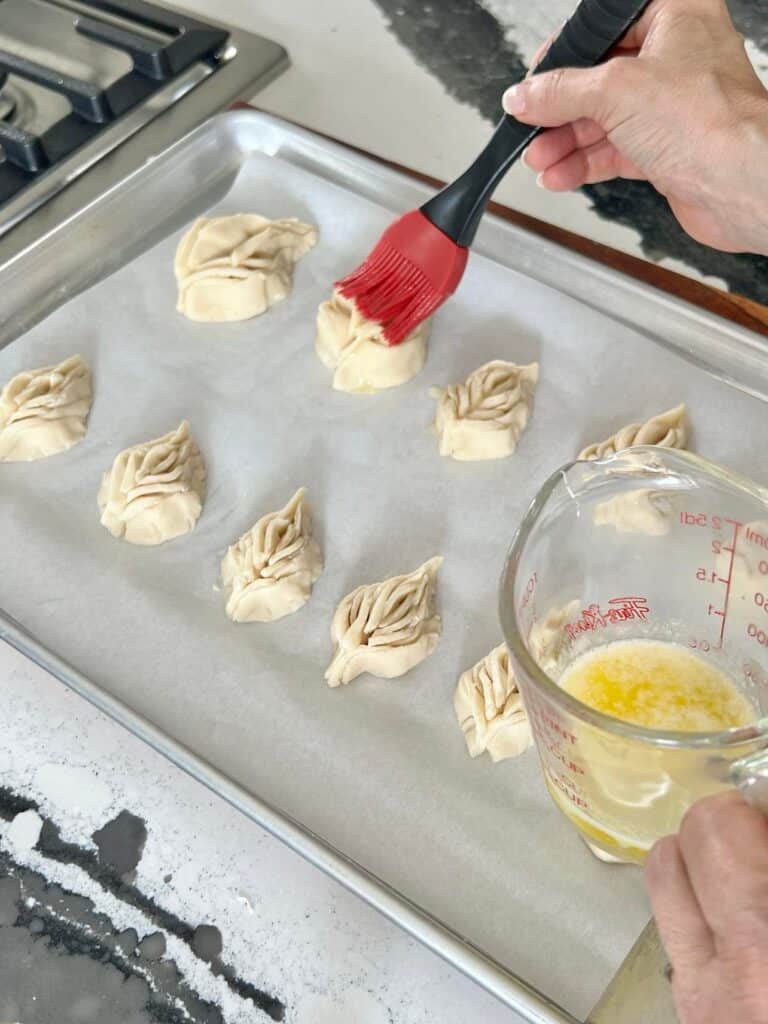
(378, 768)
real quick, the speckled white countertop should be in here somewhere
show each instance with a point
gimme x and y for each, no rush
(286, 928)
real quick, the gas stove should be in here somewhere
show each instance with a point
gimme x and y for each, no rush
(91, 89)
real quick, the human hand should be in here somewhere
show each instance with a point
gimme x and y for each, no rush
(678, 105)
(709, 891)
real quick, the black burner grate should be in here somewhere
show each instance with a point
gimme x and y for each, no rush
(155, 63)
(7, 104)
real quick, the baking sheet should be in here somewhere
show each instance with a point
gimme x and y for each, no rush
(379, 768)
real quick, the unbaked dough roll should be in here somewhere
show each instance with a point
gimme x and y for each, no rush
(386, 628)
(356, 351)
(484, 417)
(490, 710)
(270, 570)
(44, 411)
(154, 490)
(667, 430)
(233, 268)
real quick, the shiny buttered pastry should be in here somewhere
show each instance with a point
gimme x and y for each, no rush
(154, 491)
(484, 417)
(233, 268)
(44, 411)
(667, 430)
(386, 628)
(355, 349)
(269, 572)
(490, 710)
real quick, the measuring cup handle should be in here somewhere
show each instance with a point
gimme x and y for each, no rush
(750, 775)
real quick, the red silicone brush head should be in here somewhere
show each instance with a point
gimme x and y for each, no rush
(414, 268)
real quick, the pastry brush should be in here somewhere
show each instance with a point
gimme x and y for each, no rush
(419, 260)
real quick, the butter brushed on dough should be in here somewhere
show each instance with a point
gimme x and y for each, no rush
(233, 268)
(484, 417)
(667, 430)
(270, 570)
(386, 628)
(355, 349)
(154, 490)
(44, 411)
(490, 710)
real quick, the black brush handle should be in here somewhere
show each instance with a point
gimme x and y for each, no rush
(586, 38)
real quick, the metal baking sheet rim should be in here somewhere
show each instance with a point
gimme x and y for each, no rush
(507, 987)
(52, 271)
(732, 354)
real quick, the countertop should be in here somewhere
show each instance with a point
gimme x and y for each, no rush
(129, 893)
(419, 82)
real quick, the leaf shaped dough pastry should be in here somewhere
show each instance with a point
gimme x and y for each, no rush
(641, 511)
(355, 349)
(484, 417)
(44, 411)
(667, 430)
(386, 628)
(155, 490)
(234, 268)
(270, 570)
(490, 710)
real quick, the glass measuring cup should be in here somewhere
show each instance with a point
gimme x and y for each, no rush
(649, 544)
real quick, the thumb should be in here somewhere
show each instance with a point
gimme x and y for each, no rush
(559, 97)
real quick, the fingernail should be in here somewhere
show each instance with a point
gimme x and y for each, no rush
(524, 158)
(540, 180)
(513, 99)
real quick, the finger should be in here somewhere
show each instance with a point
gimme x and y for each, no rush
(600, 162)
(684, 931)
(637, 33)
(541, 50)
(724, 843)
(621, 50)
(557, 143)
(632, 40)
(559, 97)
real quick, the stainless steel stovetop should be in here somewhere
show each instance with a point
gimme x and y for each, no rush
(92, 89)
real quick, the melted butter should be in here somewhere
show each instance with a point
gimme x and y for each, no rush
(657, 685)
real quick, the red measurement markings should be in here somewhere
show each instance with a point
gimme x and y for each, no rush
(709, 576)
(530, 587)
(563, 785)
(757, 634)
(703, 519)
(702, 645)
(619, 609)
(703, 575)
(736, 527)
(554, 750)
(754, 536)
(547, 723)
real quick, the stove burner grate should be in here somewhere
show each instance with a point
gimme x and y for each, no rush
(7, 107)
(7, 102)
(156, 62)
